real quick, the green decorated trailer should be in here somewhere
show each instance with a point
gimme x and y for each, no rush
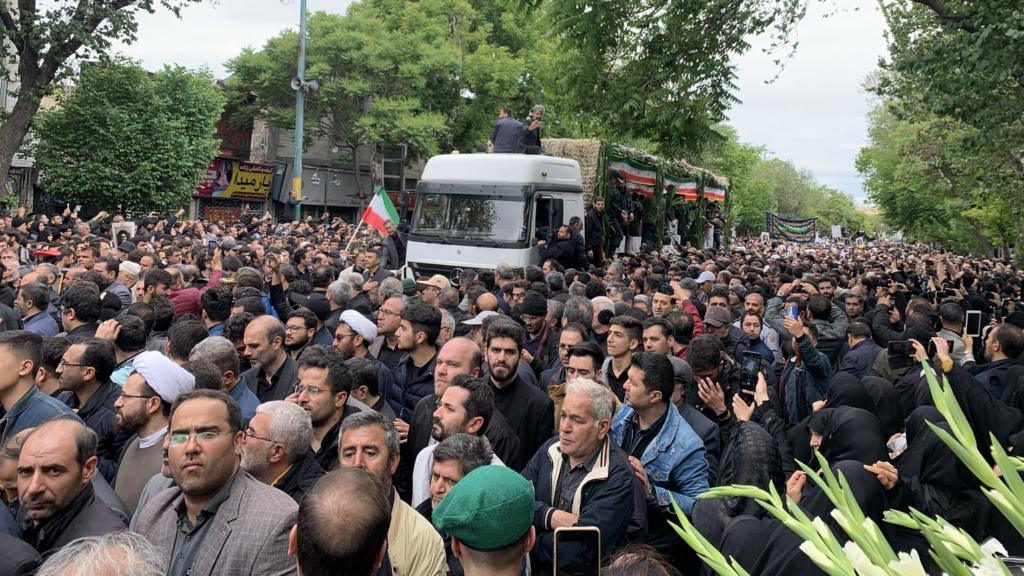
(674, 191)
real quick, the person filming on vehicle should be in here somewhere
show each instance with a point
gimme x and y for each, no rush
(534, 123)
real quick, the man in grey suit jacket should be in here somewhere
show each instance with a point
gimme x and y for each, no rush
(217, 520)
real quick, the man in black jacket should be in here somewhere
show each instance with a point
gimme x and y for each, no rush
(581, 478)
(57, 508)
(594, 233)
(458, 356)
(274, 373)
(276, 449)
(562, 248)
(85, 373)
(527, 408)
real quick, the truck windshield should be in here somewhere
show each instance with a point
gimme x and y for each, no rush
(471, 217)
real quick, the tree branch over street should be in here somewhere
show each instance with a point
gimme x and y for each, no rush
(45, 41)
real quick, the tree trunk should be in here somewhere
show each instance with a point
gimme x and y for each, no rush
(983, 243)
(13, 131)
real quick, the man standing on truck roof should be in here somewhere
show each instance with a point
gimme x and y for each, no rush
(507, 132)
(531, 140)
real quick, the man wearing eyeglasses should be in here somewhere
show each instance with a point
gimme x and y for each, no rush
(217, 519)
(323, 391)
(276, 449)
(143, 407)
(85, 373)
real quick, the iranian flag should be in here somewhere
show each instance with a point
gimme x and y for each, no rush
(639, 178)
(685, 187)
(714, 194)
(379, 211)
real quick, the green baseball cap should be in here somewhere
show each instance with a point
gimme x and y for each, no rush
(489, 509)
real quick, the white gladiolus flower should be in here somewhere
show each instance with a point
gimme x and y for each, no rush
(908, 565)
(953, 537)
(988, 567)
(861, 563)
(993, 547)
(817, 556)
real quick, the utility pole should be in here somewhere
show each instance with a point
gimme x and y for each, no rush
(300, 86)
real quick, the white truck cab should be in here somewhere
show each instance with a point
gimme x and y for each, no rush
(481, 210)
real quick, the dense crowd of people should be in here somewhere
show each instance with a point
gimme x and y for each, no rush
(259, 398)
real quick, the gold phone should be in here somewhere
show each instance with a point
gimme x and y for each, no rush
(578, 551)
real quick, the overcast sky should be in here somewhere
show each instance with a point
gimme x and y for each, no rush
(813, 115)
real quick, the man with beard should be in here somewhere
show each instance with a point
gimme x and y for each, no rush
(465, 407)
(85, 373)
(370, 441)
(323, 391)
(753, 303)
(273, 373)
(298, 331)
(528, 410)
(351, 338)
(221, 353)
(562, 248)
(454, 458)
(458, 357)
(541, 343)
(142, 409)
(55, 470)
(414, 377)
(276, 449)
(217, 519)
(385, 346)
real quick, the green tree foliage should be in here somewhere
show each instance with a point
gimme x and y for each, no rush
(130, 139)
(656, 69)
(430, 74)
(752, 193)
(937, 181)
(760, 184)
(41, 41)
(955, 78)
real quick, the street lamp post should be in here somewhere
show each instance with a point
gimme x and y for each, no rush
(300, 86)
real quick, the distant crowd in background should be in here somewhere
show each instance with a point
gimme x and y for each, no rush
(194, 397)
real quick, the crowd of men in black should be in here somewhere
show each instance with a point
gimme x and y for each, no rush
(187, 397)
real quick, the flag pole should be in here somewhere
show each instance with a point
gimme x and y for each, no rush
(353, 236)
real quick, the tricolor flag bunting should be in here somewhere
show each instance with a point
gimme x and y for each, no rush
(685, 187)
(379, 211)
(714, 194)
(639, 178)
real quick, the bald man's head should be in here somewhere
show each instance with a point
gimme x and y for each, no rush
(342, 521)
(57, 462)
(264, 340)
(457, 356)
(487, 301)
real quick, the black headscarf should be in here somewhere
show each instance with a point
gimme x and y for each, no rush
(864, 486)
(887, 408)
(782, 555)
(937, 482)
(985, 413)
(751, 458)
(847, 390)
(849, 434)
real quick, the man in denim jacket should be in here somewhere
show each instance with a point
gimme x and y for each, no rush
(666, 454)
(24, 404)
